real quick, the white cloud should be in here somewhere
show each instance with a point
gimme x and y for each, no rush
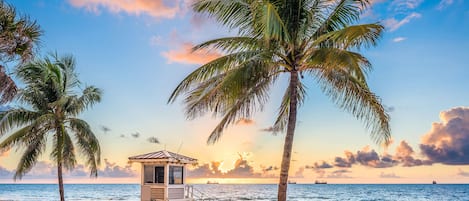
(405, 5)
(443, 4)
(392, 24)
(399, 39)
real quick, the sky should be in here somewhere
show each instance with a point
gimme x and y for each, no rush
(137, 51)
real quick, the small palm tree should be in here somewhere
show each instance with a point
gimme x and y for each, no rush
(51, 110)
(296, 38)
(18, 37)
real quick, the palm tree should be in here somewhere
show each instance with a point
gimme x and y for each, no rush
(18, 37)
(51, 110)
(297, 38)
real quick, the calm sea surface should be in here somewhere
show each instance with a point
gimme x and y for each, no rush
(299, 192)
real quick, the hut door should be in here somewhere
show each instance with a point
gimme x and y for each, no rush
(159, 175)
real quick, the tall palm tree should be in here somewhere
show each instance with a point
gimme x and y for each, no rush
(51, 110)
(19, 36)
(314, 38)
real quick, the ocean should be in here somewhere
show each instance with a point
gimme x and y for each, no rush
(258, 192)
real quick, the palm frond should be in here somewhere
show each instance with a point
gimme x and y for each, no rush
(355, 97)
(334, 58)
(282, 117)
(212, 69)
(91, 96)
(68, 152)
(342, 13)
(29, 158)
(14, 118)
(232, 14)
(87, 143)
(230, 44)
(352, 36)
(16, 138)
(8, 88)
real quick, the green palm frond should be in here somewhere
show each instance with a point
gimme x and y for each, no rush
(29, 158)
(68, 152)
(268, 23)
(242, 107)
(16, 138)
(352, 36)
(87, 143)
(283, 112)
(213, 69)
(14, 118)
(355, 97)
(230, 44)
(333, 58)
(231, 13)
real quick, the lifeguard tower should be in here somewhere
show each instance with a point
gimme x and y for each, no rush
(163, 176)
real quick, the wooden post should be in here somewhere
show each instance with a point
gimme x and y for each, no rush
(166, 180)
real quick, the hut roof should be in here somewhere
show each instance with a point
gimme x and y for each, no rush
(163, 156)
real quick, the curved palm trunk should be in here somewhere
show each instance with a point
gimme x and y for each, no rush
(287, 147)
(61, 181)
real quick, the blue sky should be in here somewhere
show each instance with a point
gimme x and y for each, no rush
(136, 51)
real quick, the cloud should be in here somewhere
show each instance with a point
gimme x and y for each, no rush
(443, 4)
(345, 162)
(404, 5)
(244, 121)
(105, 129)
(393, 24)
(299, 173)
(135, 135)
(448, 140)
(242, 169)
(323, 165)
(388, 175)
(4, 153)
(4, 173)
(396, 40)
(154, 8)
(270, 168)
(460, 173)
(342, 173)
(153, 140)
(113, 170)
(404, 154)
(370, 158)
(156, 40)
(184, 54)
(47, 170)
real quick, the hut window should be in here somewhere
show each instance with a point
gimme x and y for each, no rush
(148, 174)
(159, 175)
(175, 174)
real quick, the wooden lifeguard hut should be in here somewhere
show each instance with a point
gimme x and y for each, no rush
(163, 176)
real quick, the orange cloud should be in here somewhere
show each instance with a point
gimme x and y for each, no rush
(244, 121)
(184, 54)
(5, 153)
(154, 8)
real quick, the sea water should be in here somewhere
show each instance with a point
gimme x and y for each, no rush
(260, 192)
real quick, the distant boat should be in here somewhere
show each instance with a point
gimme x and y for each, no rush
(434, 182)
(212, 182)
(291, 182)
(320, 182)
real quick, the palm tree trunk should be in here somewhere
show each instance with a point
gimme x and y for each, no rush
(287, 147)
(61, 181)
(59, 161)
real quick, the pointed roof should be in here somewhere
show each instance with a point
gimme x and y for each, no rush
(163, 156)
